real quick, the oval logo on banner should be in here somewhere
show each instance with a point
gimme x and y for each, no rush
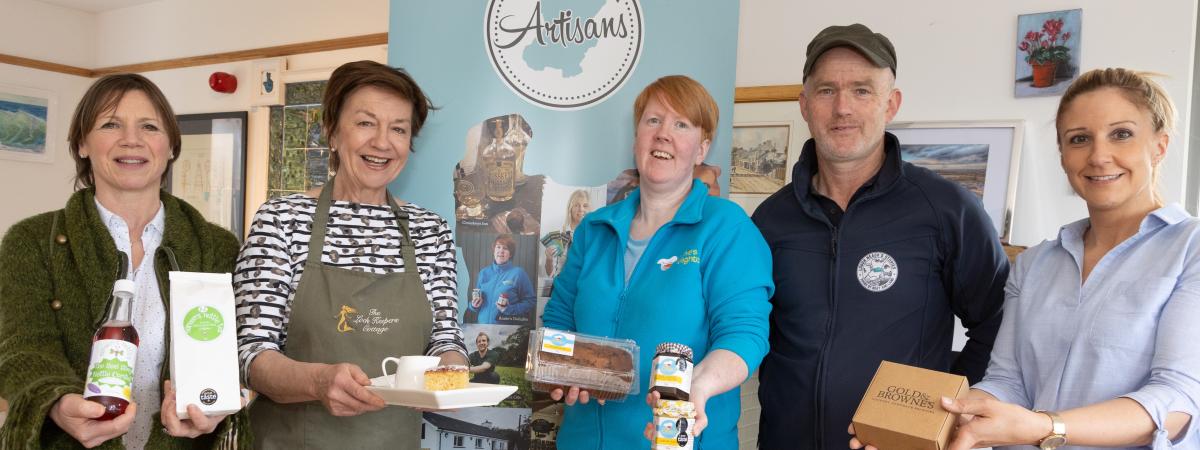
(877, 271)
(563, 55)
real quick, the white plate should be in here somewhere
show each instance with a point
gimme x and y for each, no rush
(475, 394)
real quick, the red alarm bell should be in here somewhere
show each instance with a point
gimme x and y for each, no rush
(222, 82)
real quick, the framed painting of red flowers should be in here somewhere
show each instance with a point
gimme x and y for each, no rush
(1047, 52)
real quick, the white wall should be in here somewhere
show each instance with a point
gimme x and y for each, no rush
(33, 187)
(163, 30)
(176, 28)
(187, 90)
(32, 29)
(955, 62)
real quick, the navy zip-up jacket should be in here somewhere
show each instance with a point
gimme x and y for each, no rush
(912, 251)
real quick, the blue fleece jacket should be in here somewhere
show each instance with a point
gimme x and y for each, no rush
(703, 281)
(509, 279)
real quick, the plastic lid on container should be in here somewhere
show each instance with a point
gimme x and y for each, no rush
(124, 287)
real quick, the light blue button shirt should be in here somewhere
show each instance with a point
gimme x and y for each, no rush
(1132, 330)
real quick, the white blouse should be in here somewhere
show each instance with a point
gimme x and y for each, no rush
(149, 318)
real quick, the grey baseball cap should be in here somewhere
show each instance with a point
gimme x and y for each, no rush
(874, 46)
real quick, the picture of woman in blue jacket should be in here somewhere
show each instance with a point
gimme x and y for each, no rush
(506, 294)
(667, 264)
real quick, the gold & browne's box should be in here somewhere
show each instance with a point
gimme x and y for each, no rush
(902, 408)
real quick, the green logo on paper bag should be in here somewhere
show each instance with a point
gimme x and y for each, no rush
(203, 323)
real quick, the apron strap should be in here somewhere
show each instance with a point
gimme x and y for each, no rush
(407, 248)
(316, 241)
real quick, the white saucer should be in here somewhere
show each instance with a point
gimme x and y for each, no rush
(475, 394)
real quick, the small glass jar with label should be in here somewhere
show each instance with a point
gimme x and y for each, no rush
(672, 377)
(674, 425)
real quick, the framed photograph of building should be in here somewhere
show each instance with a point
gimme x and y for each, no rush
(758, 160)
(210, 171)
(982, 156)
(27, 131)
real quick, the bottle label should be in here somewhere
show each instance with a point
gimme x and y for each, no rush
(110, 372)
(672, 371)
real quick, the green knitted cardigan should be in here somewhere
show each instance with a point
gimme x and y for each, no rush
(44, 352)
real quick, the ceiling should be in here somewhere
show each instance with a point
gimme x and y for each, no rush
(96, 6)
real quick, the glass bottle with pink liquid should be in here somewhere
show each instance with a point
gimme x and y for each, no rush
(114, 355)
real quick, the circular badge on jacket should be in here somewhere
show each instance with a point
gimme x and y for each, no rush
(877, 271)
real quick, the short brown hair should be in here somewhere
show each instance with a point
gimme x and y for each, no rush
(353, 75)
(103, 96)
(1137, 87)
(686, 96)
(507, 241)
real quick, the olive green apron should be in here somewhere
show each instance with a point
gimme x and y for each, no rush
(340, 315)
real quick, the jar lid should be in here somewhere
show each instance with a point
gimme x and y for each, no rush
(676, 348)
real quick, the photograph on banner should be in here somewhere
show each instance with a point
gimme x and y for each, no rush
(563, 207)
(547, 417)
(497, 356)
(491, 189)
(620, 187)
(484, 428)
(501, 289)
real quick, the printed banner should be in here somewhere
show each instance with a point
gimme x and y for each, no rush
(534, 130)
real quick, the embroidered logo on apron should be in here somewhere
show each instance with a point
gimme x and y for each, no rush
(877, 271)
(343, 325)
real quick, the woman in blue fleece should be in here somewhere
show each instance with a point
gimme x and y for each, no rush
(508, 295)
(667, 264)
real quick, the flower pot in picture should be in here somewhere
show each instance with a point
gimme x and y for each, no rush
(1043, 73)
(1047, 50)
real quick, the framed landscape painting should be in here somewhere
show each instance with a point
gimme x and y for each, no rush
(26, 128)
(983, 157)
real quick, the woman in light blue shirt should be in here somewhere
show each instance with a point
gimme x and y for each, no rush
(1101, 326)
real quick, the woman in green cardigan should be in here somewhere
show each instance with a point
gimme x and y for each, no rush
(57, 270)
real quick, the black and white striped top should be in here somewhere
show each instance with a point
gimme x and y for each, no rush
(359, 237)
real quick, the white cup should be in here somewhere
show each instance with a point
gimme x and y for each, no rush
(410, 370)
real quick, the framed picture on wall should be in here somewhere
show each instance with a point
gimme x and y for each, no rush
(27, 128)
(210, 171)
(758, 160)
(1048, 51)
(762, 114)
(982, 156)
(268, 82)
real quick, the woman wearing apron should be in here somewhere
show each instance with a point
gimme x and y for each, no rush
(332, 281)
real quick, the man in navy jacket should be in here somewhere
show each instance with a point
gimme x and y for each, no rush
(873, 257)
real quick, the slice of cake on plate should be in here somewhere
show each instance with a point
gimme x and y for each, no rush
(445, 378)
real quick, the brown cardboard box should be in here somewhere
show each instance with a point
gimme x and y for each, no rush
(902, 408)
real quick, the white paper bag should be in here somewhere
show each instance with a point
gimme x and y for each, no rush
(204, 359)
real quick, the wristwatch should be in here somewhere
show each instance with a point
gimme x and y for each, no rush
(1058, 431)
